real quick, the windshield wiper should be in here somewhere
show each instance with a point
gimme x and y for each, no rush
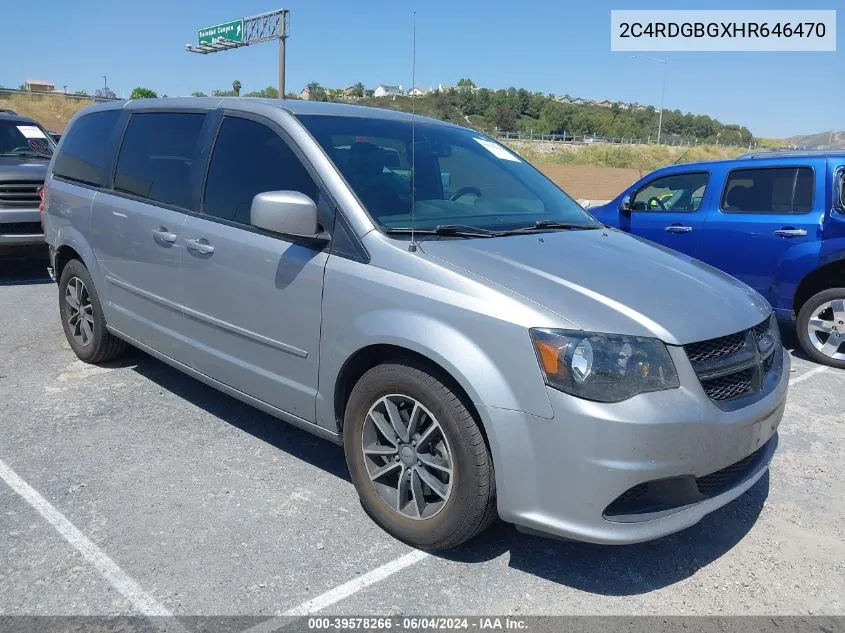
(545, 225)
(457, 230)
(26, 155)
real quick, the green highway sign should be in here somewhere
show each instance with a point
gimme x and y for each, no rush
(233, 31)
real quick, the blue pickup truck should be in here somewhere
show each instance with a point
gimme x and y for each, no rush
(775, 220)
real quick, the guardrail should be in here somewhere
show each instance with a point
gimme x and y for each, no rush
(588, 139)
(49, 95)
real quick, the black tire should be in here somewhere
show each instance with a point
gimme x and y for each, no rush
(802, 329)
(471, 505)
(100, 346)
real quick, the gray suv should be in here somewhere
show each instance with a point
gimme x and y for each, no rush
(25, 151)
(413, 290)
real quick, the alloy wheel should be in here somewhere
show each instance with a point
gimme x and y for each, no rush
(80, 311)
(826, 329)
(407, 456)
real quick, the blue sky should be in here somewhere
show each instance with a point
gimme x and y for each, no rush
(559, 46)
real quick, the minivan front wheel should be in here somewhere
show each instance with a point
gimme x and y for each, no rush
(821, 327)
(417, 457)
(82, 316)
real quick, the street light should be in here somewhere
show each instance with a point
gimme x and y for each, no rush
(662, 89)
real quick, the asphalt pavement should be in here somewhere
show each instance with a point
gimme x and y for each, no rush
(131, 488)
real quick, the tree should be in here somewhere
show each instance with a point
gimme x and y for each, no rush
(80, 93)
(505, 119)
(466, 83)
(236, 88)
(105, 93)
(143, 93)
(358, 89)
(318, 93)
(265, 93)
(198, 94)
(222, 93)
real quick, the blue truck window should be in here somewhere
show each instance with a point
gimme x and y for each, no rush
(769, 190)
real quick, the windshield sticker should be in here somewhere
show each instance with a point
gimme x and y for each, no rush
(39, 146)
(31, 131)
(497, 150)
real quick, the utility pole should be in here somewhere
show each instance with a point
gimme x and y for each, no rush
(662, 90)
(282, 41)
(105, 83)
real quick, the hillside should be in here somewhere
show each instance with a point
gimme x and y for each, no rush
(822, 140)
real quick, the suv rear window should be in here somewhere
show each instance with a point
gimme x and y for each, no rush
(156, 156)
(769, 190)
(86, 149)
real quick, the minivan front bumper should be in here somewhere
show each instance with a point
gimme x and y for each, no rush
(561, 476)
(20, 227)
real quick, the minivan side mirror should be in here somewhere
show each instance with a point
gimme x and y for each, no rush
(287, 212)
(625, 204)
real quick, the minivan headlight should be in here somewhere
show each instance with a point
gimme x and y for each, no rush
(603, 367)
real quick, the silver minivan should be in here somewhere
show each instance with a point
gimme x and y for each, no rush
(479, 344)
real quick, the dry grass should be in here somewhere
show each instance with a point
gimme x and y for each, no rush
(644, 157)
(53, 112)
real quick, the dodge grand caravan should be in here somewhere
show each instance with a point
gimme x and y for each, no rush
(479, 344)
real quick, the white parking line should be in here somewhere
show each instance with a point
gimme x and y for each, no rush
(131, 590)
(807, 374)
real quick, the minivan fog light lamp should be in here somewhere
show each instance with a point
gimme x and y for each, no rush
(603, 367)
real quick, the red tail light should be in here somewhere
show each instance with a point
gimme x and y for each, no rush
(41, 205)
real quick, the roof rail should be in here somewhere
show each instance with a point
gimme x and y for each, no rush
(793, 153)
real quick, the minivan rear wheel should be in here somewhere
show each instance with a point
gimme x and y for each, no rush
(82, 316)
(821, 327)
(417, 457)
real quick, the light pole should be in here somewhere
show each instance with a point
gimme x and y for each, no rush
(662, 89)
(105, 83)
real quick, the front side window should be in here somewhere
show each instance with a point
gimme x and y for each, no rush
(87, 148)
(677, 192)
(769, 190)
(249, 158)
(459, 176)
(156, 156)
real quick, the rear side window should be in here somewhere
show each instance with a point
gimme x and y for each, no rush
(676, 192)
(86, 150)
(156, 156)
(249, 158)
(769, 190)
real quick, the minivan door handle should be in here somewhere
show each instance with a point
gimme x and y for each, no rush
(200, 245)
(678, 228)
(787, 232)
(161, 234)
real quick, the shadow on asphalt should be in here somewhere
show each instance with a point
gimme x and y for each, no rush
(607, 570)
(284, 436)
(21, 271)
(621, 570)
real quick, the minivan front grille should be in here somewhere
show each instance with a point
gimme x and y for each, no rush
(20, 193)
(736, 367)
(20, 228)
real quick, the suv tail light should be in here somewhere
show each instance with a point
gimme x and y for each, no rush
(41, 205)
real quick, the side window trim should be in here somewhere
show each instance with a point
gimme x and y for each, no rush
(795, 166)
(679, 173)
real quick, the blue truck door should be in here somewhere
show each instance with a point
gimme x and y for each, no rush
(767, 229)
(667, 210)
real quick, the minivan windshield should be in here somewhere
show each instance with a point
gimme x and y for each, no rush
(464, 180)
(27, 140)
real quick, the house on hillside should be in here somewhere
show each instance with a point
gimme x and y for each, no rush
(417, 91)
(564, 99)
(347, 93)
(305, 94)
(36, 85)
(604, 103)
(388, 91)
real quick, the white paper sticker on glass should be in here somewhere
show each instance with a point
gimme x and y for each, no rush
(497, 150)
(31, 131)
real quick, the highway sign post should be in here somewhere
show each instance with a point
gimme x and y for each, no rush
(232, 31)
(245, 32)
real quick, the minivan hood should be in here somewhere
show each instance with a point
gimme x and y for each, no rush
(608, 281)
(20, 168)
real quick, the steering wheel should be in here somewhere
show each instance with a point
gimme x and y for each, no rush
(465, 191)
(654, 201)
